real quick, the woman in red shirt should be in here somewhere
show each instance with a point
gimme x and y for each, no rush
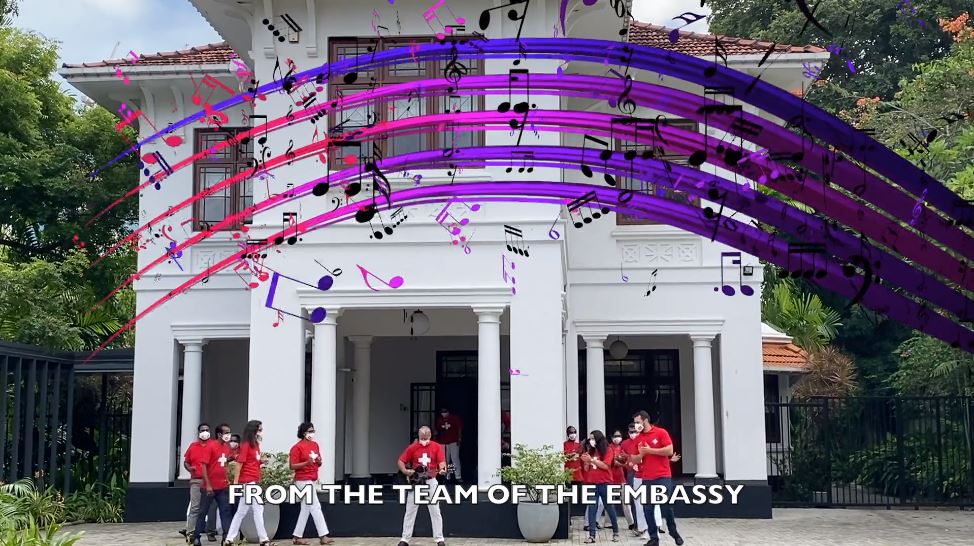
(250, 463)
(305, 462)
(597, 459)
(571, 447)
(620, 461)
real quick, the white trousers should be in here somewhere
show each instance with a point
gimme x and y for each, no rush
(409, 520)
(453, 456)
(641, 515)
(314, 509)
(258, 509)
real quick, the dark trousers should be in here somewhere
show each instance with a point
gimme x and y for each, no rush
(666, 509)
(602, 492)
(632, 502)
(222, 499)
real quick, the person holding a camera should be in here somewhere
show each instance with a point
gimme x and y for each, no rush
(422, 462)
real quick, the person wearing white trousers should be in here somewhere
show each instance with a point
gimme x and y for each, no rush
(430, 456)
(250, 463)
(305, 461)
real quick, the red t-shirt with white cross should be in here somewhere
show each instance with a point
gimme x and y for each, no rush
(216, 465)
(249, 459)
(448, 429)
(429, 456)
(306, 450)
(654, 466)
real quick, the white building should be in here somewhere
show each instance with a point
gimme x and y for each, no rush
(218, 353)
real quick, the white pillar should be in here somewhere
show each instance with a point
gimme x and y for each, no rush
(488, 395)
(703, 407)
(571, 378)
(324, 372)
(595, 382)
(361, 382)
(192, 394)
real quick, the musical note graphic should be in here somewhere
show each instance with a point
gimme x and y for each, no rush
(512, 14)
(651, 287)
(849, 270)
(430, 14)
(553, 233)
(317, 314)
(688, 18)
(604, 155)
(727, 289)
(394, 282)
(337, 272)
(623, 273)
(515, 241)
(504, 261)
(799, 249)
(289, 220)
(575, 207)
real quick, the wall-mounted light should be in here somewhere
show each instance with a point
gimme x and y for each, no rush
(419, 323)
(618, 349)
(748, 270)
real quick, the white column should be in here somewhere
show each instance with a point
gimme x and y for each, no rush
(595, 382)
(192, 395)
(324, 372)
(488, 395)
(571, 378)
(361, 382)
(703, 407)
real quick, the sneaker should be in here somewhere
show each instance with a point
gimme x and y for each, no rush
(615, 537)
(211, 536)
(441, 543)
(632, 527)
(403, 543)
(678, 539)
(662, 531)
(652, 542)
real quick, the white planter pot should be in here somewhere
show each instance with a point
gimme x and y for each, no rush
(538, 522)
(272, 518)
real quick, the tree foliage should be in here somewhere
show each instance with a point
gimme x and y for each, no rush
(930, 367)
(800, 314)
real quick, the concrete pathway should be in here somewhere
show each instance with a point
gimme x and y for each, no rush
(790, 527)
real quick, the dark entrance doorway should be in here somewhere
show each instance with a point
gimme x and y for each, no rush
(643, 380)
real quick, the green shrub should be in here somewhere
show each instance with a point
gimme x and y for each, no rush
(97, 503)
(22, 504)
(34, 534)
(534, 467)
(277, 471)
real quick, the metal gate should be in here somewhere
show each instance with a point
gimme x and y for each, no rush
(871, 451)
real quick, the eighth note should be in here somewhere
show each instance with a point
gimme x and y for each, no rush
(727, 289)
(515, 241)
(394, 282)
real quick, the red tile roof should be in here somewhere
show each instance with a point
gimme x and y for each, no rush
(218, 53)
(779, 356)
(701, 45)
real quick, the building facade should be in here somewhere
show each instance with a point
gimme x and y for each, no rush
(483, 321)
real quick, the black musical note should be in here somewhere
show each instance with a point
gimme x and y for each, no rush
(515, 240)
(512, 14)
(804, 248)
(604, 155)
(576, 205)
(714, 194)
(719, 51)
(454, 70)
(523, 107)
(290, 219)
(651, 287)
(525, 157)
(850, 269)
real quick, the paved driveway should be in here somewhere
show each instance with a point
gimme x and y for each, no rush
(790, 527)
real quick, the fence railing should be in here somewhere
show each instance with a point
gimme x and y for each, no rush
(44, 414)
(871, 451)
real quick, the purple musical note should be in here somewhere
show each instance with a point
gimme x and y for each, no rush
(318, 314)
(727, 289)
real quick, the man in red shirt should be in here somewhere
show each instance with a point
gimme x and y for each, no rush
(655, 450)
(449, 433)
(427, 454)
(214, 471)
(193, 459)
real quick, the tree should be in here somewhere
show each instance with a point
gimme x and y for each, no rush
(47, 150)
(882, 43)
(8, 8)
(800, 314)
(830, 373)
(930, 367)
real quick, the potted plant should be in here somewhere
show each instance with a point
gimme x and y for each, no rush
(276, 470)
(531, 468)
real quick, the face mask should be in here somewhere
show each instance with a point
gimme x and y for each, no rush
(591, 442)
(424, 443)
(445, 413)
(572, 436)
(617, 439)
(234, 445)
(226, 437)
(260, 437)
(310, 436)
(205, 435)
(632, 435)
(639, 427)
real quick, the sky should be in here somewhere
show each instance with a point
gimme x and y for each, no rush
(95, 30)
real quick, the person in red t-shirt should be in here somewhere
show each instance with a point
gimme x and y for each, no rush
(193, 459)
(655, 450)
(250, 463)
(597, 461)
(449, 434)
(571, 447)
(630, 448)
(423, 453)
(620, 462)
(305, 461)
(214, 470)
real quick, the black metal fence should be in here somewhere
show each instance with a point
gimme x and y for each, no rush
(871, 451)
(56, 425)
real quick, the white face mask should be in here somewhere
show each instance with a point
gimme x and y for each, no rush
(205, 435)
(632, 435)
(591, 442)
(445, 413)
(424, 443)
(260, 437)
(617, 439)
(572, 436)
(639, 427)
(226, 437)
(310, 436)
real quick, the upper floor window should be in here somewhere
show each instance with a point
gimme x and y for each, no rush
(401, 107)
(648, 187)
(218, 166)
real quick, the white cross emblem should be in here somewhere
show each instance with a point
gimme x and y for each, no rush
(446, 425)
(425, 459)
(655, 441)
(313, 455)
(223, 459)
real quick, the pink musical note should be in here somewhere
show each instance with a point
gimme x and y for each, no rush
(504, 273)
(118, 73)
(134, 57)
(394, 282)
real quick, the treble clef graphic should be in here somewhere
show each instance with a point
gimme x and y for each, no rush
(454, 70)
(626, 104)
